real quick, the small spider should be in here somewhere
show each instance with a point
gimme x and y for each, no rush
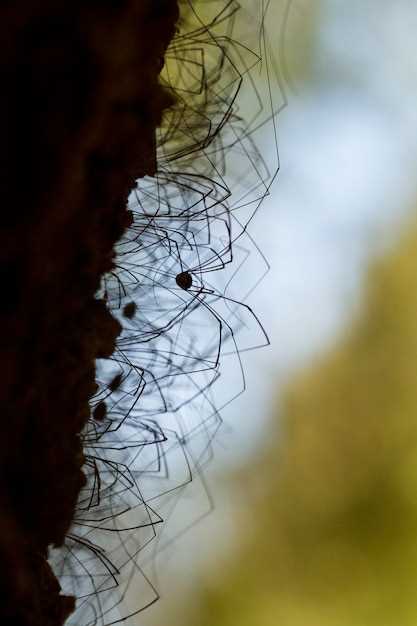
(100, 411)
(129, 310)
(184, 280)
(115, 383)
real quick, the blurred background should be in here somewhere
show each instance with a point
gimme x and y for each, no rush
(315, 472)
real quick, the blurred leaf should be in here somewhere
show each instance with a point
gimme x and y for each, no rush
(333, 533)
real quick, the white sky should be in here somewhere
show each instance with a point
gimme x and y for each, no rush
(348, 149)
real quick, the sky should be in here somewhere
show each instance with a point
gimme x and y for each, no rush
(348, 147)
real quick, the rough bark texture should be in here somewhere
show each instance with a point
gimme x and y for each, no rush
(80, 102)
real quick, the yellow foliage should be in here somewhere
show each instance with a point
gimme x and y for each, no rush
(334, 539)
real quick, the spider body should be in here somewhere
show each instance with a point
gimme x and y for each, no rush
(184, 280)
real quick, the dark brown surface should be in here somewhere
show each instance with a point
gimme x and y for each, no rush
(80, 101)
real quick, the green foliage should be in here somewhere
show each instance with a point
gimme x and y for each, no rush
(333, 535)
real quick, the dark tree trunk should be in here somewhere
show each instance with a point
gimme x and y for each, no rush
(80, 102)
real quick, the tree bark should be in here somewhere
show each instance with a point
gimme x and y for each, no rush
(80, 103)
